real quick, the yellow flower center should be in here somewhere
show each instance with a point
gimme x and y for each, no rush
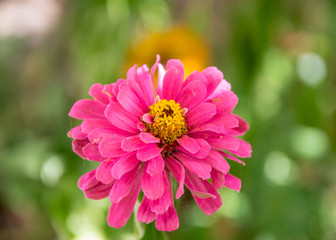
(168, 121)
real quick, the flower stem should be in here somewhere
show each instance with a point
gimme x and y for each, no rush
(151, 233)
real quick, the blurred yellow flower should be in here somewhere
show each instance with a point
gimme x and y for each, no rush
(178, 42)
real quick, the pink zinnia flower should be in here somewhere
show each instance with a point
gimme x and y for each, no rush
(142, 134)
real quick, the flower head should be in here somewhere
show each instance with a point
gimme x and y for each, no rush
(142, 134)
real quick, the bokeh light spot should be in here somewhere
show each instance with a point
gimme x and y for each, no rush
(51, 171)
(279, 168)
(311, 68)
(310, 143)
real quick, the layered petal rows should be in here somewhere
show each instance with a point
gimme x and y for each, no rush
(144, 132)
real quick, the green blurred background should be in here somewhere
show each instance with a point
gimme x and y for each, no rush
(278, 55)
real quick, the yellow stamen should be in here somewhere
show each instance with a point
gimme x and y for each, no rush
(168, 121)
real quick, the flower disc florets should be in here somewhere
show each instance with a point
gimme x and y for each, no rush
(168, 121)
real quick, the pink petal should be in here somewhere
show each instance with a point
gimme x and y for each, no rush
(153, 69)
(222, 87)
(141, 126)
(152, 187)
(192, 94)
(172, 82)
(204, 149)
(116, 88)
(226, 102)
(197, 166)
(240, 129)
(123, 186)
(167, 221)
(87, 108)
(208, 205)
(91, 152)
(231, 157)
(195, 76)
(110, 148)
(147, 118)
(161, 205)
(144, 81)
(120, 118)
(147, 137)
(198, 187)
(244, 149)
(216, 160)
(161, 73)
(90, 124)
(178, 172)
(145, 213)
(214, 77)
(77, 133)
(131, 98)
(217, 178)
(188, 143)
(218, 124)
(98, 134)
(108, 90)
(103, 172)
(124, 165)
(155, 166)
(218, 141)
(200, 114)
(92, 188)
(132, 143)
(177, 64)
(77, 147)
(232, 182)
(96, 91)
(150, 151)
(120, 212)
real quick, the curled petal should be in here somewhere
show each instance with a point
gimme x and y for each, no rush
(78, 145)
(93, 188)
(232, 182)
(167, 221)
(202, 188)
(91, 152)
(77, 133)
(145, 214)
(96, 91)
